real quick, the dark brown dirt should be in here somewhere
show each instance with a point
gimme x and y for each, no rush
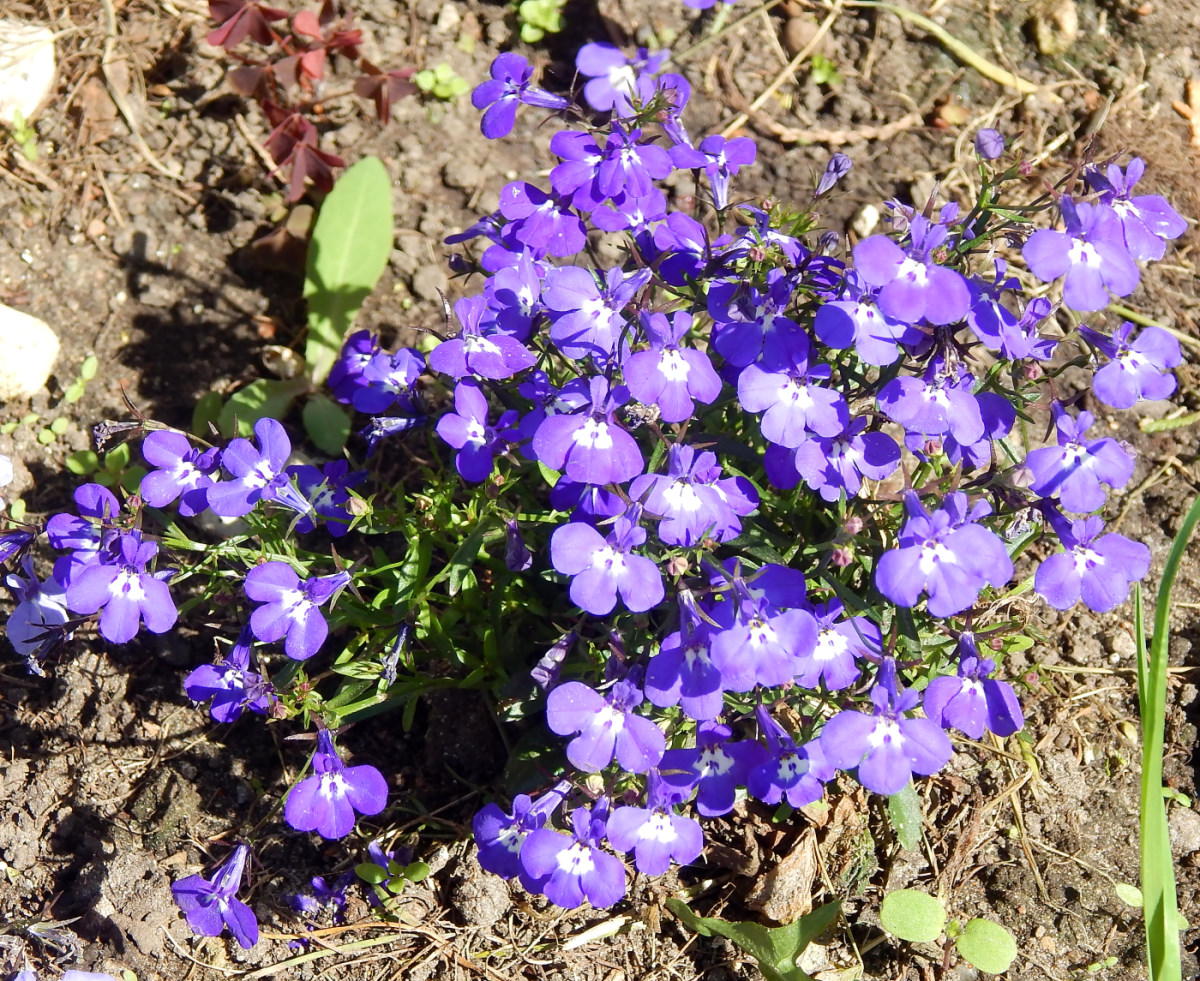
(113, 784)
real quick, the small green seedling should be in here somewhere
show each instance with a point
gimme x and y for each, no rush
(824, 71)
(539, 18)
(87, 371)
(442, 82)
(389, 882)
(920, 918)
(26, 420)
(25, 136)
(114, 471)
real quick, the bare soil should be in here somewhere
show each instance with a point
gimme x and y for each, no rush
(112, 784)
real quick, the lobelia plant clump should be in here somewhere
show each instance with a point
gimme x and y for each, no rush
(736, 514)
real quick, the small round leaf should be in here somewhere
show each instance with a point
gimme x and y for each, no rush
(913, 916)
(1129, 895)
(987, 946)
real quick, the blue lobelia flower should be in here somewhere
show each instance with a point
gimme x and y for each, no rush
(748, 321)
(971, 700)
(911, 284)
(989, 143)
(211, 905)
(389, 380)
(588, 446)
(586, 316)
(836, 465)
(797, 773)
(788, 391)
(720, 159)
(1147, 221)
(1091, 253)
(945, 554)
(510, 85)
(1137, 369)
(84, 534)
(656, 834)
(888, 747)
(328, 491)
(855, 320)
(183, 471)
(467, 430)
(671, 374)
(841, 642)
(488, 354)
(231, 685)
(290, 606)
(605, 725)
(36, 623)
(346, 376)
(940, 403)
(500, 834)
(682, 672)
(1075, 469)
(714, 767)
(569, 869)
(1093, 566)
(327, 801)
(258, 474)
(612, 76)
(541, 221)
(603, 568)
(71, 975)
(124, 593)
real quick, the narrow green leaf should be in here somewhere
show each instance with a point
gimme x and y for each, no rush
(350, 245)
(466, 557)
(267, 397)
(904, 812)
(326, 423)
(776, 949)
(987, 946)
(913, 916)
(1158, 870)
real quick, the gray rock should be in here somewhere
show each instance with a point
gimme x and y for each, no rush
(1184, 824)
(428, 280)
(28, 349)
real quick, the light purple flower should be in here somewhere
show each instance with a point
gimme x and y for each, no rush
(586, 316)
(715, 767)
(682, 672)
(467, 430)
(749, 322)
(124, 592)
(41, 610)
(569, 869)
(1075, 469)
(989, 143)
(389, 380)
(1137, 369)
(797, 773)
(612, 76)
(911, 284)
(542, 221)
(670, 375)
(500, 835)
(841, 641)
(476, 351)
(939, 403)
(856, 321)
(346, 376)
(835, 465)
(720, 159)
(604, 567)
(258, 474)
(231, 685)
(327, 801)
(606, 725)
(1147, 220)
(1094, 567)
(787, 389)
(972, 701)
(290, 607)
(183, 471)
(212, 905)
(510, 85)
(589, 447)
(327, 489)
(656, 834)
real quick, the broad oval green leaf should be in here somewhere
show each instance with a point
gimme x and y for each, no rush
(987, 946)
(913, 916)
(350, 245)
(326, 423)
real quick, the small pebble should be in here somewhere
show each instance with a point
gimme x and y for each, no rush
(28, 349)
(428, 280)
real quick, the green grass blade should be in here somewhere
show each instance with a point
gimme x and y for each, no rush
(1158, 871)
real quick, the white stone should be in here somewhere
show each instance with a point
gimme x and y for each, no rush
(28, 348)
(27, 69)
(865, 220)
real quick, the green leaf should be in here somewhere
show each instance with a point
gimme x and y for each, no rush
(87, 370)
(267, 397)
(208, 409)
(466, 557)
(776, 949)
(45, 437)
(416, 871)
(904, 811)
(1129, 894)
(913, 916)
(350, 245)
(59, 425)
(370, 872)
(327, 424)
(987, 946)
(83, 462)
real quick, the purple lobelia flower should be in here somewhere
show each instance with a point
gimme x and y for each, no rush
(887, 748)
(715, 767)
(692, 498)
(84, 534)
(589, 503)
(14, 542)
(1075, 469)
(1094, 567)
(797, 773)
(856, 321)
(467, 430)
(323, 896)
(748, 322)
(500, 835)
(1147, 220)
(834, 465)
(327, 801)
(328, 490)
(1091, 254)
(1137, 369)
(211, 905)
(998, 415)
(346, 375)
(517, 556)
(389, 380)
(635, 214)
(290, 606)
(258, 474)
(510, 85)
(670, 375)
(514, 296)
(1016, 338)
(123, 591)
(604, 567)
(589, 447)
(911, 284)
(586, 319)
(381, 427)
(231, 685)
(183, 471)
(474, 352)
(989, 143)
(841, 640)
(37, 621)
(945, 554)
(787, 389)
(656, 834)
(569, 869)
(685, 249)
(542, 221)
(606, 725)
(720, 159)
(971, 701)
(682, 672)
(838, 167)
(939, 403)
(627, 166)
(612, 76)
